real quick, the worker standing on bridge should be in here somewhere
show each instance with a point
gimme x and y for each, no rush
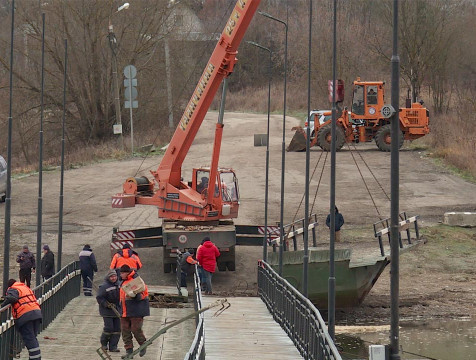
(88, 267)
(126, 256)
(207, 257)
(27, 262)
(186, 265)
(27, 314)
(47, 263)
(134, 309)
(339, 222)
(109, 308)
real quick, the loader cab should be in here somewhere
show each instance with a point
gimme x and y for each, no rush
(367, 100)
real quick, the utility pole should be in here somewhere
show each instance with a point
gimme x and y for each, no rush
(117, 101)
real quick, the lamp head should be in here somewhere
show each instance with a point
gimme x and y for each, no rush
(123, 6)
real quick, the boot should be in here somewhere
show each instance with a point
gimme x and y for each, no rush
(128, 352)
(142, 352)
(104, 340)
(113, 341)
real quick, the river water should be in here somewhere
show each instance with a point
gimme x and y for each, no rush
(441, 340)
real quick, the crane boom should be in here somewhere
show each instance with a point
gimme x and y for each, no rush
(189, 201)
(220, 65)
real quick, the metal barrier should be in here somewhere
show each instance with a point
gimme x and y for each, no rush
(197, 349)
(403, 225)
(292, 230)
(53, 295)
(297, 315)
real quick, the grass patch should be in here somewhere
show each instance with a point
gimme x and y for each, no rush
(448, 247)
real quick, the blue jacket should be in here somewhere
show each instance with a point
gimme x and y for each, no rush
(87, 260)
(108, 292)
(339, 221)
(26, 260)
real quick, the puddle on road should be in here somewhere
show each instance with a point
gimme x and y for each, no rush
(442, 340)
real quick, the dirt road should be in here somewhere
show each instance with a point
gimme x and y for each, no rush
(425, 190)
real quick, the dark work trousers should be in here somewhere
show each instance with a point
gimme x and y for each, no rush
(87, 286)
(111, 332)
(25, 276)
(132, 326)
(28, 332)
(183, 279)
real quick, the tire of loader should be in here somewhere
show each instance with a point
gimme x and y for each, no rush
(383, 138)
(221, 266)
(298, 142)
(324, 137)
(230, 265)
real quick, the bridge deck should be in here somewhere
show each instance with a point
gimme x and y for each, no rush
(245, 330)
(76, 330)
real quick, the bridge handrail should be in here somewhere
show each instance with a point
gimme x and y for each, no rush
(296, 314)
(53, 295)
(197, 349)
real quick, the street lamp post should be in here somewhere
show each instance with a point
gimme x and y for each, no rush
(113, 45)
(265, 240)
(283, 150)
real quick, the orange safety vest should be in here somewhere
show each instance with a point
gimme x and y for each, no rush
(26, 300)
(122, 296)
(118, 260)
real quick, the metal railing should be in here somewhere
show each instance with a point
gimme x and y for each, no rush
(53, 295)
(403, 225)
(296, 314)
(197, 349)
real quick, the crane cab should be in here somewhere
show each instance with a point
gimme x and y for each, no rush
(225, 197)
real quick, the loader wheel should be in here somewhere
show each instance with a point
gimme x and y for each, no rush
(324, 137)
(383, 138)
(221, 266)
(230, 265)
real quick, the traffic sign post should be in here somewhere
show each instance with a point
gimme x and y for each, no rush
(130, 83)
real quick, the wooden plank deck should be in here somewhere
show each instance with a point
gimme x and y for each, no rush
(75, 333)
(245, 331)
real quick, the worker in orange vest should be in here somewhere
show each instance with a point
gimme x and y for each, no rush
(134, 309)
(27, 314)
(126, 256)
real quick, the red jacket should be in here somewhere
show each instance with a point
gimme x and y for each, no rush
(207, 256)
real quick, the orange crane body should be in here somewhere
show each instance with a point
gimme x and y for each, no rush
(175, 198)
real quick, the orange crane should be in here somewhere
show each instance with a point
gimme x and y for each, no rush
(212, 195)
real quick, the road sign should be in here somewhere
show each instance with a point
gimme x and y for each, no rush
(127, 104)
(130, 71)
(130, 92)
(126, 82)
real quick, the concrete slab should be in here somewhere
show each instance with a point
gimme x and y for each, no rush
(464, 219)
(75, 333)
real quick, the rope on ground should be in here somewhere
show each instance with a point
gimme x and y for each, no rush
(303, 195)
(365, 183)
(319, 183)
(370, 170)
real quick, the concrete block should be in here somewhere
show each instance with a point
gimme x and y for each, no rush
(464, 219)
(260, 139)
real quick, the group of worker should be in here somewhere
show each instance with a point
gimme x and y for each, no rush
(206, 259)
(25, 308)
(122, 313)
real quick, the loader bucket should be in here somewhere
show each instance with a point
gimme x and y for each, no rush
(298, 142)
